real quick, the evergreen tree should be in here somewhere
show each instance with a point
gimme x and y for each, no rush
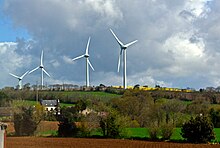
(198, 130)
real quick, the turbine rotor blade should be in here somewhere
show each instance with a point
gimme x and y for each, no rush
(41, 58)
(87, 47)
(78, 57)
(24, 74)
(119, 60)
(129, 44)
(45, 72)
(14, 75)
(34, 69)
(91, 65)
(119, 42)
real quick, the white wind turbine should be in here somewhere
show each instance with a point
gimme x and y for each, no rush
(19, 78)
(123, 49)
(42, 70)
(88, 63)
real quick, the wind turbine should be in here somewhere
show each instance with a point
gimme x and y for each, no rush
(42, 70)
(123, 50)
(88, 63)
(19, 78)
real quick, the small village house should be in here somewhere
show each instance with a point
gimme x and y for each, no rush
(51, 105)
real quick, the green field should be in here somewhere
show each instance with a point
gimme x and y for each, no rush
(142, 133)
(47, 133)
(217, 134)
(17, 103)
(139, 133)
(176, 136)
(91, 95)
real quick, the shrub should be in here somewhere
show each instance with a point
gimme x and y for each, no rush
(166, 131)
(113, 124)
(67, 119)
(215, 117)
(154, 132)
(24, 122)
(84, 130)
(198, 130)
(109, 127)
(67, 129)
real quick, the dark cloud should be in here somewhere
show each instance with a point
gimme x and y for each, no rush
(177, 40)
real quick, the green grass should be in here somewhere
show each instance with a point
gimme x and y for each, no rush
(17, 103)
(217, 134)
(187, 102)
(143, 133)
(176, 134)
(134, 133)
(97, 132)
(137, 132)
(91, 95)
(66, 104)
(48, 133)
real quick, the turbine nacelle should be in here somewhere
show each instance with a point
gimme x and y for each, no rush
(123, 47)
(86, 55)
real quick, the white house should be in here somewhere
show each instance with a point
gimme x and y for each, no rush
(51, 105)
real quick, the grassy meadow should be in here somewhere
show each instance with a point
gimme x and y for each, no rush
(135, 133)
(33, 103)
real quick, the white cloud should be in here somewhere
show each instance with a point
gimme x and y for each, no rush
(106, 8)
(55, 63)
(67, 59)
(145, 78)
(185, 46)
(11, 62)
(197, 7)
(177, 40)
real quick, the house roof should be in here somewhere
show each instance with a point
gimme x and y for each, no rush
(49, 103)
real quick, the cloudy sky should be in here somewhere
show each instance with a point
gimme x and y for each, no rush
(178, 41)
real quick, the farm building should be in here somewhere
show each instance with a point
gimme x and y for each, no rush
(51, 105)
(86, 111)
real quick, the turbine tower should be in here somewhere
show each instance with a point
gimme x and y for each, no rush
(42, 70)
(88, 63)
(123, 50)
(19, 78)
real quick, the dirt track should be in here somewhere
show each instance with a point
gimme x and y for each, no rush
(35, 142)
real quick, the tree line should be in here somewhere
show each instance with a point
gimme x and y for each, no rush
(135, 108)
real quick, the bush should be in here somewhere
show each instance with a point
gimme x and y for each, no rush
(67, 129)
(154, 132)
(84, 130)
(198, 130)
(109, 127)
(67, 119)
(113, 124)
(215, 117)
(24, 122)
(166, 131)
